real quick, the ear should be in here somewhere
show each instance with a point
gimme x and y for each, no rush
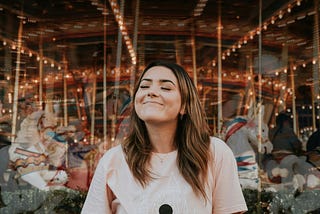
(182, 110)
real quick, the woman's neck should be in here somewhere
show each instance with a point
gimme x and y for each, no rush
(162, 138)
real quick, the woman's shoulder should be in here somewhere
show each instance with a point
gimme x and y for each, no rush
(219, 147)
(113, 156)
(217, 142)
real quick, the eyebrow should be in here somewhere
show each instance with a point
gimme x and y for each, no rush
(161, 80)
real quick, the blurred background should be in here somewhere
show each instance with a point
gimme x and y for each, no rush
(78, 62)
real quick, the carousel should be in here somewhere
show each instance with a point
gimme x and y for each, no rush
(68, 69)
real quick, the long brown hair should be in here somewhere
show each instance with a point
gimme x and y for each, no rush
(192, 138)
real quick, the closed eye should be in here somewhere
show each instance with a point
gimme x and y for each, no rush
(165, 88)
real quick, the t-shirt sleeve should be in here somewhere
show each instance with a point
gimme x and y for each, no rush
(227, 193)
(96, 200)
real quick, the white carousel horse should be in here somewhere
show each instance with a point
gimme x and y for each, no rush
(242, 136)
(36, 150)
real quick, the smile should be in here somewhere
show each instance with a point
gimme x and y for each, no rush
(152, 102)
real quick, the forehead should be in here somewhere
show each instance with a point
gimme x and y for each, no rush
(160, 72)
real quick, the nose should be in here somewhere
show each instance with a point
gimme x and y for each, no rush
(152, 92)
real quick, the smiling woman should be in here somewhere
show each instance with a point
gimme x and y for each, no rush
(168, 159)
(158, 100)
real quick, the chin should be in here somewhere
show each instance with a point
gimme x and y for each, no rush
(151, 119)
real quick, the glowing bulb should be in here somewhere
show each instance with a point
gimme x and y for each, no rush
(265, 26)
(289, 9)
(280, 15)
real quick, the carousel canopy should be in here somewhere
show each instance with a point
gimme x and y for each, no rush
(275, 38)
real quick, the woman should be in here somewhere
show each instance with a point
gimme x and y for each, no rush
(168, 163)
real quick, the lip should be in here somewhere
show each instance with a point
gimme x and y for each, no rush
(151, 102)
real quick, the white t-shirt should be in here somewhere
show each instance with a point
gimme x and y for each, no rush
(168, 187)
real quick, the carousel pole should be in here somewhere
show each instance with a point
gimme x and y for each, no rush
(16, 85)
(65, 91)
(316, 57)
(294, 110)
(65, 103)
(259, 105)
(78, 104)
(314, 124)
(219, 28)
(93, 104)
(41, 71)
(194, 57)
(117, 76)
(251, 99)
(23, 93)
(260, 76)
(91, 157)
(135, 38)
(105, 139)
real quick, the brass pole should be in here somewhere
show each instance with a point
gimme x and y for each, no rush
(40, 72)
(16, 84)
(65, 91)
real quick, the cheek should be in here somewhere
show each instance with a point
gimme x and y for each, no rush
(176, 105)
(138, 97)
(137, 102)
(178, 100)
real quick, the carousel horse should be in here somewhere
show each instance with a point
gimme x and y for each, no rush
(38, 152)
(241, 135)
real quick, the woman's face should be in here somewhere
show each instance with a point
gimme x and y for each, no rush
(158, 99)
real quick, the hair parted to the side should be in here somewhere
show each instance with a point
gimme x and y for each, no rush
(192, 139)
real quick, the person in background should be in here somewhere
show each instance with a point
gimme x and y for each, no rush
(169, 163)
(313, 141)
(283, 137)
